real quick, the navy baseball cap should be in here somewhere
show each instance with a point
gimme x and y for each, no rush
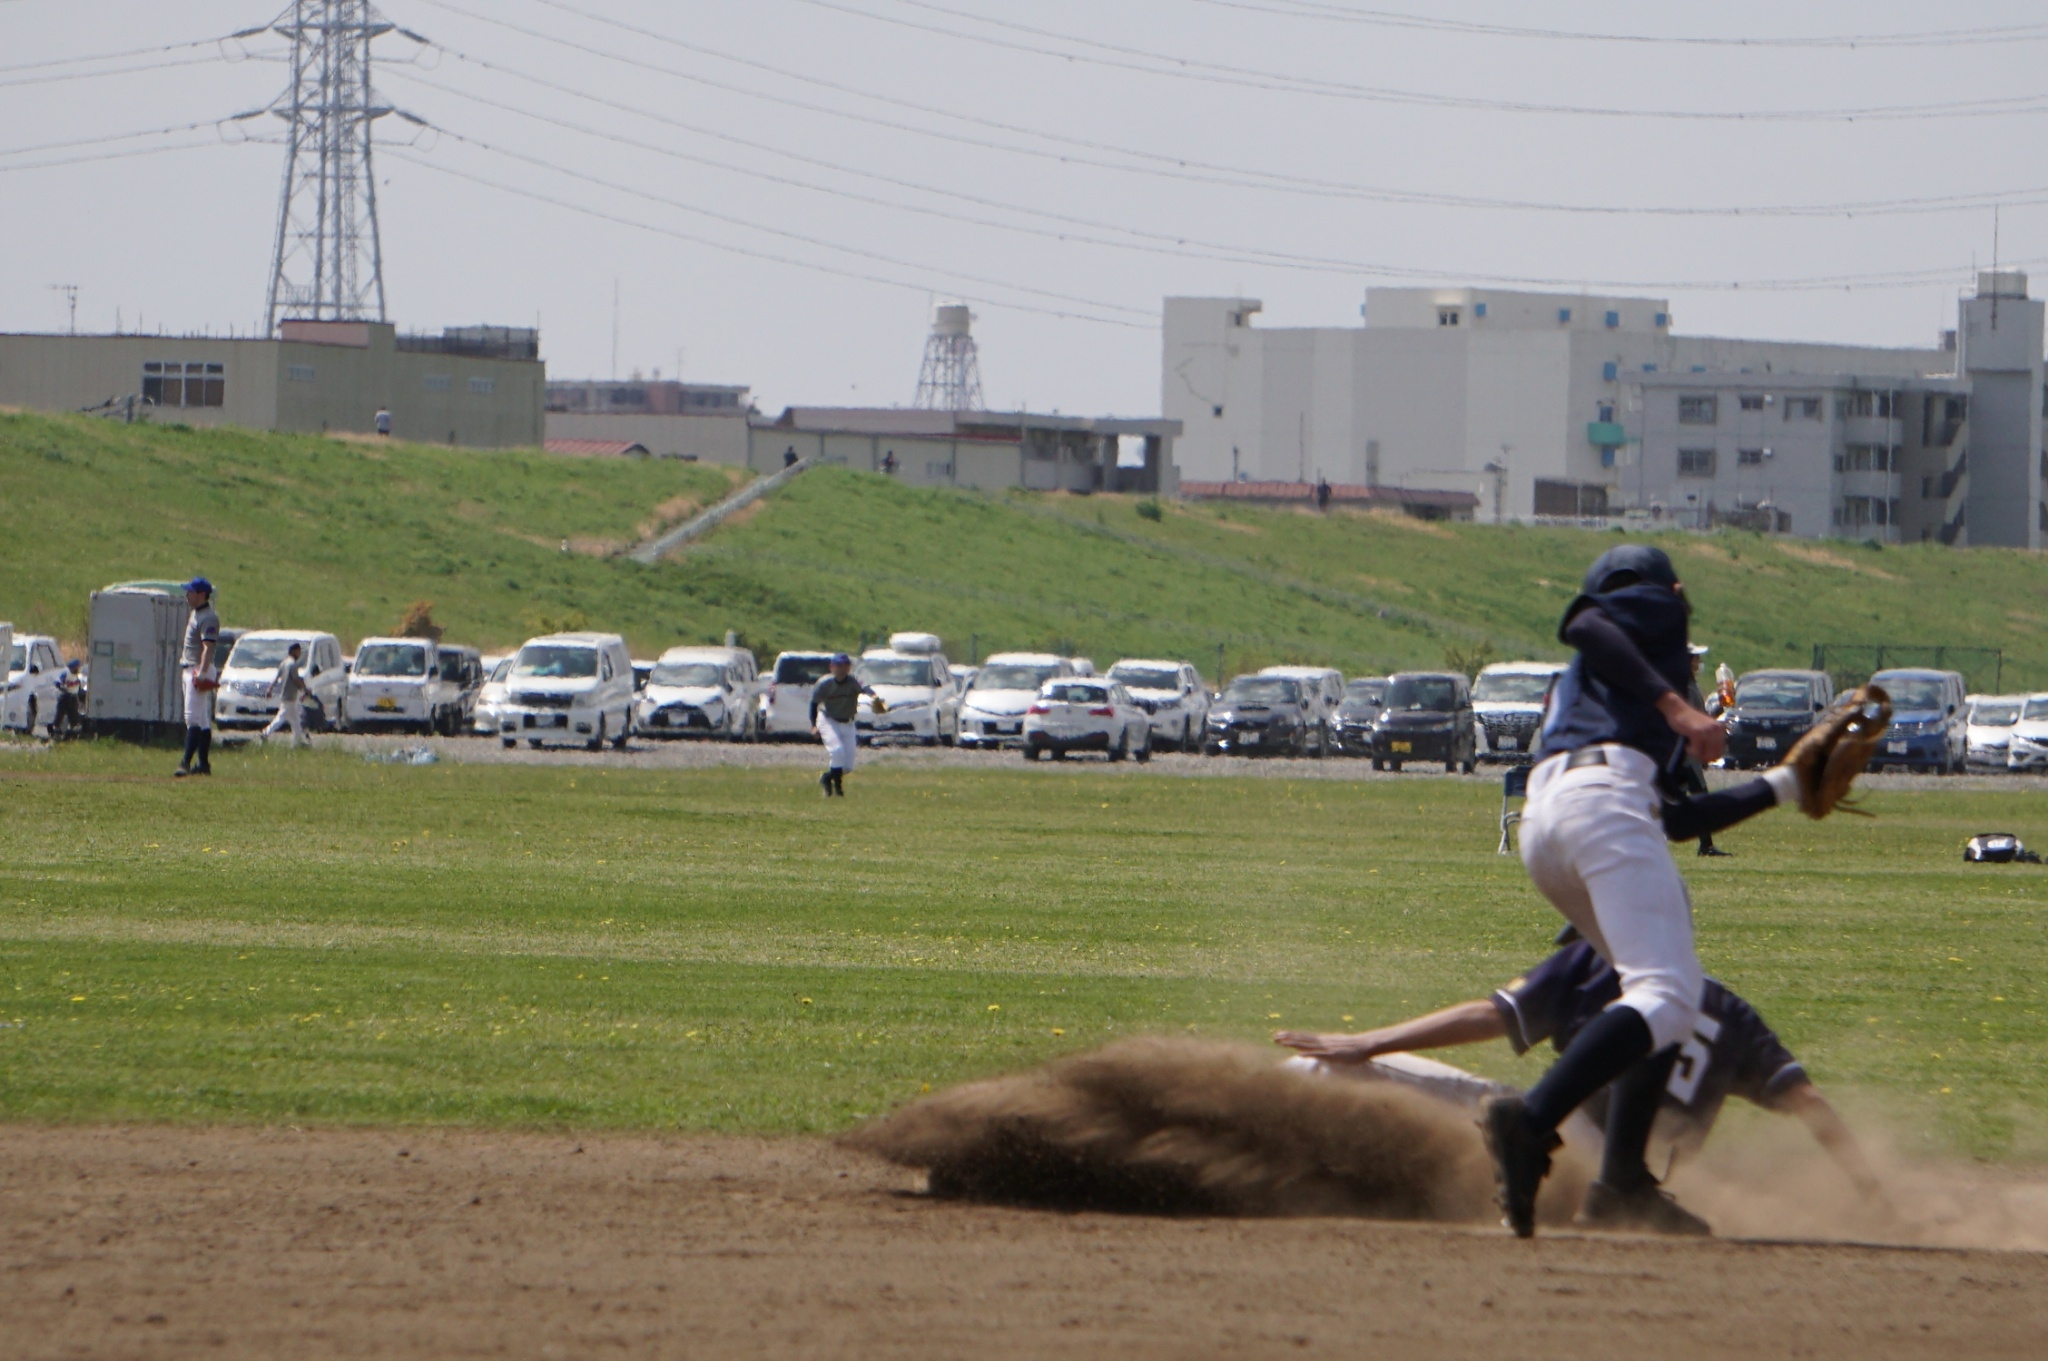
(1647, 563)
(200, 584)
(841, 659)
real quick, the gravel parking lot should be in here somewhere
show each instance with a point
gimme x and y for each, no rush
(689, 755)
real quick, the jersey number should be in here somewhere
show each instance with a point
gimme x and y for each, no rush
(1694, 1056)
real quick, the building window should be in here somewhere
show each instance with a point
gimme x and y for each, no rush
(1867, 404)
(1564, 315)
(1752, 401)
(1802, 408)
(1661, 319)
(1478, 309)
(168, 384)
(1613, 320)
(1695, 462)
(1749, 458)
(435, 382)
(1927, 487)
(1607, 413)
(483, 387)
(1609, 371)
(1865, 458)
(1447, 316)
(1697, 409)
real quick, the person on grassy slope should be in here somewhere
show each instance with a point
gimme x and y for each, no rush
(835, 700)
(1731, 1052)
(201, 676)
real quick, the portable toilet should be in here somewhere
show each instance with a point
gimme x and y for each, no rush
(138, 628)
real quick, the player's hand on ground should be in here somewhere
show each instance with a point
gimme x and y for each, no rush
(1330, 1048)
(1706, 741)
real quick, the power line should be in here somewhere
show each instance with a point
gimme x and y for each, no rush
(112, 137)
(1316, 9)
(1180, 169)
(116, 71)
(1144, 62)
(129, 154)
(124, 55)
(749, 252)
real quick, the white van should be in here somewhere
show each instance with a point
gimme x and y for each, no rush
(245, 700)
(785, 709)
(701, 692)
(490, 700)
(919, 697)
(992, 710)
(1322, 693)
(396, 685)
(1507, 703)
(570, 687)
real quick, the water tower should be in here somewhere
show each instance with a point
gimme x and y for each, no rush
(951, 377)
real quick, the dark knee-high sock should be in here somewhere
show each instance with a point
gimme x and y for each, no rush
(1612, 1042)
(191, 746)
(206, 748)
(1632, 1105)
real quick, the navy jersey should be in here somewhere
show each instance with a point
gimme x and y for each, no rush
(1730, 1053)
(1587, 709)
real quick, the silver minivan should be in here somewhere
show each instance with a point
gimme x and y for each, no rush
(701, 692)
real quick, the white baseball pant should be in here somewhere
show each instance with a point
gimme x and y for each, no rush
(841, 741)
(1593, 841)
(291, 712)
(198, 703)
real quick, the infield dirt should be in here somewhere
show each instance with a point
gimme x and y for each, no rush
(151, 1241)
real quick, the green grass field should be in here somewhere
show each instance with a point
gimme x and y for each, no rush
(313, 532)
(311, 938)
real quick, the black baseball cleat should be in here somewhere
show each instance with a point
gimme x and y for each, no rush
(825, 783)
(1648, 1207)
(181, 772)
(1714, 850)
(1521, 1159)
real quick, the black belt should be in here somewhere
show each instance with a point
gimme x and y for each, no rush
(1585, 756)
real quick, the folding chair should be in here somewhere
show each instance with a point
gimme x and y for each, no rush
(1513, 785)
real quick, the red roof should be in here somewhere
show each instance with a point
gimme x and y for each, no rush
(597, 448)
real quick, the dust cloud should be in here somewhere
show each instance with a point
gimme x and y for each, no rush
(1172, 1126)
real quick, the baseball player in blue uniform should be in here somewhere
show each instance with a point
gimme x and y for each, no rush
(1731, 1052)
(1604, 795)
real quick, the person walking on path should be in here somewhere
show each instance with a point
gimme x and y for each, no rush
(834, 702)
(384, 421)
(290, 689)
(201, 672)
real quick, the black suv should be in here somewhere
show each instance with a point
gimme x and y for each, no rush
(1428, 717)
(1772, 709)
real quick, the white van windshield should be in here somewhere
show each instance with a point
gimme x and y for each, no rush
(553, 661)
(887, 671)
(1146, 677)
(1013, 677)
(1510, 688)
(696, 674)
(2002, 715)
(391, 659)
(260, 654)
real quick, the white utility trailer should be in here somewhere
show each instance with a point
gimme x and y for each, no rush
(138, 628)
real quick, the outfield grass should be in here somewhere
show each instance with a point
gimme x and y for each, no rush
(311, 938)
(298, 530)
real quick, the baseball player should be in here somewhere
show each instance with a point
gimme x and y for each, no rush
(1731, 1052)
(1594, 834)
(290, 688)
(835, 700)
(201, 673)
(1694, 775)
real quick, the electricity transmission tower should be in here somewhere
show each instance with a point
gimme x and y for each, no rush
(951, 377)
(328, 263)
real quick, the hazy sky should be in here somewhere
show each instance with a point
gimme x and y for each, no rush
(893, 158)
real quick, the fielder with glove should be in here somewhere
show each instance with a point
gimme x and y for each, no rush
(1603, 797)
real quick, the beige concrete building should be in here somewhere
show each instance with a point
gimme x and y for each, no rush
(706, 421)
(481, 387)
(985, 450)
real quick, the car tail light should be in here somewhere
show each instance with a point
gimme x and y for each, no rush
(1102, 713)
(1039, 709)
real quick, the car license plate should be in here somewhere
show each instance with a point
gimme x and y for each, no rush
(1766, 744)
(1402, 746)
(1895, 748)
(386, 705)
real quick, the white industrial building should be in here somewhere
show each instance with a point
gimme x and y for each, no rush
(1552, 405)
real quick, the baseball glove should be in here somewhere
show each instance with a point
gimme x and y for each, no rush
(879, 705)
(1837, 748)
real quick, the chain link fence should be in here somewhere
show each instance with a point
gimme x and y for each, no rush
(1852, 664)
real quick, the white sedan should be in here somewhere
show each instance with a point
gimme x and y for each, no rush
(1086, 714)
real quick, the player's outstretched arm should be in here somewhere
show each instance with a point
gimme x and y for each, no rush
(1828, 1128)
(1466, 1023)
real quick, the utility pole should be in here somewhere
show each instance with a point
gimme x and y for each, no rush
(615, 328)
(328, 263)
(70, 292)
